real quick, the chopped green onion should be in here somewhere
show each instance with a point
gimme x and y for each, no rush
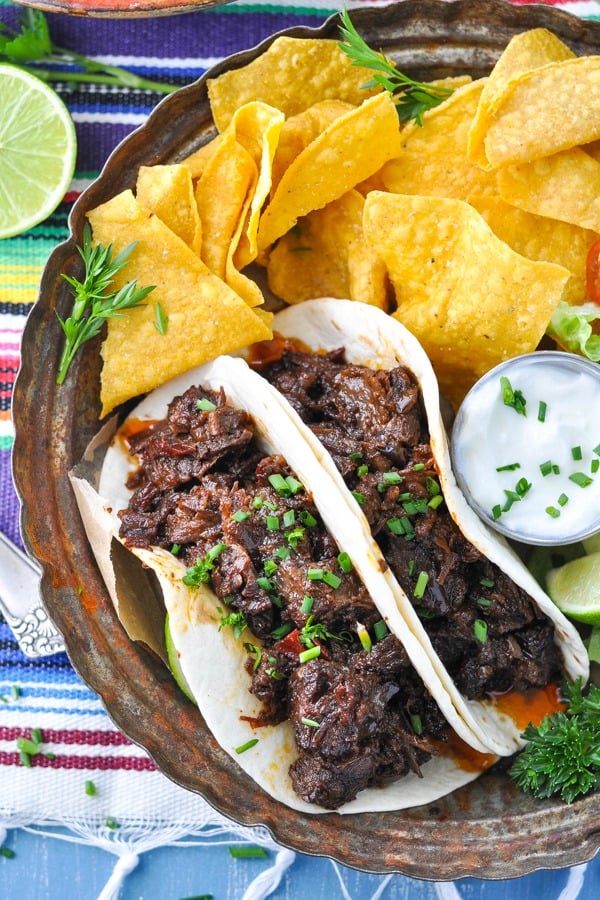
(487, 582)
(240, 515)
(247, 746)
(310, 722)
(332, 580)
(416, 723)
(265, 583)
(496, 511)
(278, 483)
(595, 465)
(553, 512)
(364, 637)
(237, 621)
(315, 574)
(205, 404)
(480, 630)
(546, 467)
(511, 397)
(362, 470)
(90, 789)
(289, 518)
(484, 601)
(272, 523)
(576, 453)
(596, 450)
(418, 467)
(563, 500)
(111, 823)
(419, 588)
(307, 604)
(294, 537)
(581, 479)
(250, 852)
(510, 467)
(176, 549)
(345, 563)
(522, 486)
(435, 501)
(7, 853)
(283, 553)
(360, 498)
(392, 477)
(311, 653)
(395, 525)
(380, 630)
(307, 518)
(413, 507)
(293, 484)
(257, 502)
(270, 567)
(412, 565)
(253, 650)
(355, 456)
(199, 573)
(282, 630)
(556, 469)
(432, 486)
(542, 409)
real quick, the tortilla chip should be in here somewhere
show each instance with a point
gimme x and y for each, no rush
(198, 160)
(205, 317)
(548, 110)
(539, 238)
(326, 255)
(565, 186)
(469, 299)
(433, 158)
(257, 128)
(523, 53)
(291, 75)
(168, 192)
(353, 147)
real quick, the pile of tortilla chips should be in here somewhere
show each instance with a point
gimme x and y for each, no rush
(469, 228)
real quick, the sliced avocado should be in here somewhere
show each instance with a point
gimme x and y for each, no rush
(175, 664)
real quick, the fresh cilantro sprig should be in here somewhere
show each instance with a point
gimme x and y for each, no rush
(94, 300)
(31, 46)
(562, 756)
(413, 97)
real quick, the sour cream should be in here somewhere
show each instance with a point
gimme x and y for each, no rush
(526, 448)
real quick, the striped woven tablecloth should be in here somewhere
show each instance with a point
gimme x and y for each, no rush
(83, 743)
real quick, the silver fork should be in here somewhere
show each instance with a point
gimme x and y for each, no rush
(21, 604)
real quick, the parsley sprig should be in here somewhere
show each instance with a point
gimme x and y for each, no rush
(563, 752)
(32, 46)
(94, 300)
(413, 97)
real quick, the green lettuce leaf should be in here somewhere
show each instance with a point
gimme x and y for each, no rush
(570, 327)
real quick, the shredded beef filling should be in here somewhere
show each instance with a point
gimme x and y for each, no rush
(488, 632)
(240, 520)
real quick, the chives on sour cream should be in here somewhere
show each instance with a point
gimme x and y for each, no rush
(530, 468)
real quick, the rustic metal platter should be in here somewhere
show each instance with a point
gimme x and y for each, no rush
(122, 9)
(488, 829)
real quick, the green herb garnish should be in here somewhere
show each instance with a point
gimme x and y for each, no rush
(511, 397)
(199, 573)
(563, 752)
(95, 302)
(413, 98)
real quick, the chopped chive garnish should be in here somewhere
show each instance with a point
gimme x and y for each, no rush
(257, 502)
(396, 526)
(315, 574)
(247, 746)
(563, 500)
(7, 853)
(310, 723)
(419, 588)
(293, 484)
(496, 511)
(510, 467)
(205, 405)
(380, 630)
(362, 470)
(345, 563)
(355, 456)
(307, 604)
(364, 637)
(487, 582)
(556, 469)
(416, 723)
(432, 486)
(484, 601)
(240, 515)
(199, 573)
(360, 498)
(418, 467)
(392, 477)
(581, 479)
(576, 453)
(289, 518)
(272, 523)
(270, 567)
(413, 507)
(254, 651)
(542, 409)
(294, 537)
(435, 501)
(311, 653)
(250, 852)
(176, 549)
(90, 789)
(596, 450)
(480, 630)
(282, 630)
(283, 553)
(307, 518)
(553, 512)
(332, 580)
(278, 483)
(265, 583)
(595, 465)
(546, 467)
(111, 823)
(522, 486)
(511, 397)
(412, 566)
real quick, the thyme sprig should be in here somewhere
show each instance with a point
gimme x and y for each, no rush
(563, 752)
(94, 300)
(413, 97)
(32, 46)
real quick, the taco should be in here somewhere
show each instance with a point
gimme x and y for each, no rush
(368, 397)
(281, 619)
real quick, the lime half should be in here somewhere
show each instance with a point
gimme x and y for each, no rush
(575, 588)
(38, 149)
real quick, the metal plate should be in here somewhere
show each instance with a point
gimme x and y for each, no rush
(122, 9)
(488, 829)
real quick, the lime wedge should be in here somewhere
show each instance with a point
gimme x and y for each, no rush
(38, 148)
(575, 588)
(175, 664)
